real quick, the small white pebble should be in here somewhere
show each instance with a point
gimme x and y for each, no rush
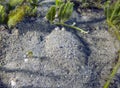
(85, 18)
(82, 67)
(56, 15)
(58, 85)
(26, 60)
(23, 34)
(86, 76)
(16, 32)
(45, 18)
(13, 83)
(24, 56)
(63, 29)
(57, 28)
(73, 24)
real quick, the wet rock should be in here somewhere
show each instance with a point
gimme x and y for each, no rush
(65, 49)
(60, 58)
(58, 61)
(103, 53)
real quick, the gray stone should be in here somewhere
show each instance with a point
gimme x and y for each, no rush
(61, 59)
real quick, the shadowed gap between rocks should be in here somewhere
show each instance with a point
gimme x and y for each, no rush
(93, 21)
(35, 24)
(51, 75)
(116, 82)
(86, 48)
(2, 85)
(40, 25)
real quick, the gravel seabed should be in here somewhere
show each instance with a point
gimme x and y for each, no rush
(62, 58)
